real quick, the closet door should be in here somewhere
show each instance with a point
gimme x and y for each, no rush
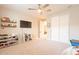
(64, 28)
(55, 28)
(60, 28)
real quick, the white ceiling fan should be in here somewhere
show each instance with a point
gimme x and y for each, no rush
(41, 8)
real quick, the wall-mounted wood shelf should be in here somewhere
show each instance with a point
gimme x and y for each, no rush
(8, 26)
(6, 22)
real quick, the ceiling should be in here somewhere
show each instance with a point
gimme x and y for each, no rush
(23, 8)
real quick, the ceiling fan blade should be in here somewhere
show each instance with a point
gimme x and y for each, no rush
(46, 5)
(48, 10)
(31, 9)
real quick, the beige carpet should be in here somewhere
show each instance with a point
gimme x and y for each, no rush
(36, 47)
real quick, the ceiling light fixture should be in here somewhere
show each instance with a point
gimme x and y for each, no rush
(39, 10)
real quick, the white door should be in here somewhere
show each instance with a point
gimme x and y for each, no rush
(43, 29)
(64, 28)
(55, 29)
(60, 28)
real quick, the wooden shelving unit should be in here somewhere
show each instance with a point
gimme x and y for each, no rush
(6, 41)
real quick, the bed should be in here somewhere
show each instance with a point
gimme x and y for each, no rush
(35, 47)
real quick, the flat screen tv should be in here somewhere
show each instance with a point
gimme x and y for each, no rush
(25, 24)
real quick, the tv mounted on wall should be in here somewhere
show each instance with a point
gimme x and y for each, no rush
(25, 24)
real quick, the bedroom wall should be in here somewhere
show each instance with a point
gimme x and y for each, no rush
(74, 23)
(13, 15)
(35, 29)
(68, 27)
(60, 26)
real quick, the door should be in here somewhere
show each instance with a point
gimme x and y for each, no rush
(43, 29)
(60, 28)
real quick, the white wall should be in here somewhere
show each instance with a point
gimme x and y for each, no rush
(65, 25)
(35, 29)
(60, 26)
(13, 15)
(74, 23)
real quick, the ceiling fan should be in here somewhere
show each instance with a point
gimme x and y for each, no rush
(41, 8)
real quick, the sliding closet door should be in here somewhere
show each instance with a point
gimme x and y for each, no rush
(64, 28)
(55, 28)
(60, 28)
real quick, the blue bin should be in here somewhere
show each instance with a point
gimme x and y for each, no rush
(74, 43)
